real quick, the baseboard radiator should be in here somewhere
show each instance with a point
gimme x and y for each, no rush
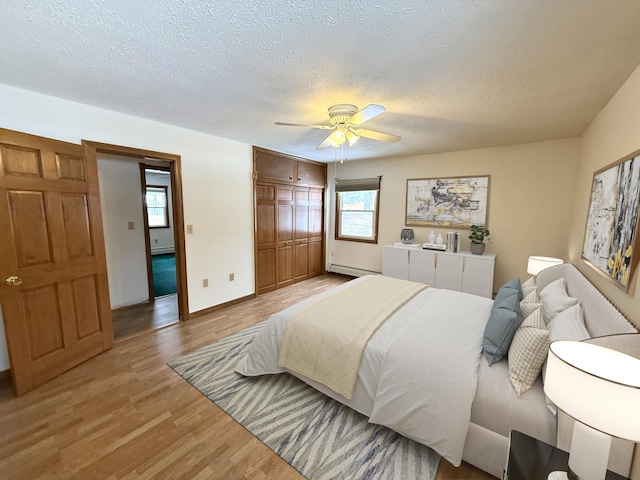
(353, 271)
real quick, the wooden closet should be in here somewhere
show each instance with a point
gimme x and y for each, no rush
(289, 219)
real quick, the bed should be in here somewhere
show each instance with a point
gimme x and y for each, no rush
(424, 371)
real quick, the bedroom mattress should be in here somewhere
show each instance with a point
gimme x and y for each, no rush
(495, 408)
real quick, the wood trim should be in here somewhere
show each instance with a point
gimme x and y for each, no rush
(285, 155)
(215, 308)
(337, 222)
(147, 236)
(175, 168)
(254, 212)
(179, 238)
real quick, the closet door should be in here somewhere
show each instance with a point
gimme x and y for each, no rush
(316, 229)
(301, 234)
(285, 235)
(289, 211)
(266, 229)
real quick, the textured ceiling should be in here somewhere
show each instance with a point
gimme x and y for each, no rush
(452, 74)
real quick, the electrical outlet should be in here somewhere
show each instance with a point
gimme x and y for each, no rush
(232, 277)
(132, 225)
(189, 228)
(205, 283)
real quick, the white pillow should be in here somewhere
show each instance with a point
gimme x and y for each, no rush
(568, 325)
(527, 308)
(527, 352)
(530, 295)
(531, 282)
(554, 299)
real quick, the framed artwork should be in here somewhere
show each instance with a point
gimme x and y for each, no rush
(610, 240)
(450, 202)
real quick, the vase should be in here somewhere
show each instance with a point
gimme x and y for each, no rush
(406, 235)
(432, 237)
(477, 248)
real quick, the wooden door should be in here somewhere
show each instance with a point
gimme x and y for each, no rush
(311, 174)
(316, 232)
(53, 289)
(301, 234)
(266, 238)
(285, 236)
(273, 166)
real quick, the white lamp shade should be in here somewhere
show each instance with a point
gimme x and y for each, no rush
(598, 386)
(537, 264)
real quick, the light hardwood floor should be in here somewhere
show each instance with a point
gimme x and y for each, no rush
(145, 316)
(125, 414)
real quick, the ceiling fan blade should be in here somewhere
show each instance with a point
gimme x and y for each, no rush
(325, 144)
(324, 127)
(367, 113)
(383, 137)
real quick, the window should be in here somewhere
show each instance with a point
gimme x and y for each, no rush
(357, 203)
(157, 211)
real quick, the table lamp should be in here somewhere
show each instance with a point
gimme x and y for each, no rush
(600, 388)
(536, 264)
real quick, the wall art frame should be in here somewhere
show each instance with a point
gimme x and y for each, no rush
(448, 201)
(611, 234)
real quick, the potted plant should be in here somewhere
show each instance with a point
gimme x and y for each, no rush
(477, 237)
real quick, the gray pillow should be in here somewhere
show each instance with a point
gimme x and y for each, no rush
(514, 285)
(503, 322)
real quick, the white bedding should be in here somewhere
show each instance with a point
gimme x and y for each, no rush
(419, 370)
(326, 340)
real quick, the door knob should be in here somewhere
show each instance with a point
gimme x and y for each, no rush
(13, 280)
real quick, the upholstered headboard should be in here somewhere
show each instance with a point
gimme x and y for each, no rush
(600, 316)
(601, 319)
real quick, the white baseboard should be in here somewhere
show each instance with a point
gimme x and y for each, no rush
(353, 271)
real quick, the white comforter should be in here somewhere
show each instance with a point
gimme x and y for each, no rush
(418, 373)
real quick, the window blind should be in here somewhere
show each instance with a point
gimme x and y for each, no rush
(357, 184)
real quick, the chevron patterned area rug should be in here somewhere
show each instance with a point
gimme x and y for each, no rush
(318, 436)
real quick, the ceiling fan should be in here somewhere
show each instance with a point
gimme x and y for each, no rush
(344, 120)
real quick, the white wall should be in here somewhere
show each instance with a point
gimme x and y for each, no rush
(121, 203)
(612, 135)
(216, 174)
(530, 200)
(162, 239)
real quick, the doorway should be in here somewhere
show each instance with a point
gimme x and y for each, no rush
(136, 305)
(159, 229)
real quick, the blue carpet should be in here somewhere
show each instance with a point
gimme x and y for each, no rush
(164, 274)
(319, 437)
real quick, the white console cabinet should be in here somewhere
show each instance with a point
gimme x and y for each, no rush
(460, 271)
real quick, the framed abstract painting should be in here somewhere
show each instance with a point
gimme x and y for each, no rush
(611, 240)
(450, 202)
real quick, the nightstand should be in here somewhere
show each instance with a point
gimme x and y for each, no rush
(531, 459)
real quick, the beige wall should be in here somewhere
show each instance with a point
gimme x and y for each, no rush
(530, 201)
(612, 135)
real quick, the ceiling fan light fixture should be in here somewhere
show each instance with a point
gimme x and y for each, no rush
(352, 137)
(343, 118)
(332, 142)
(338, 137)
